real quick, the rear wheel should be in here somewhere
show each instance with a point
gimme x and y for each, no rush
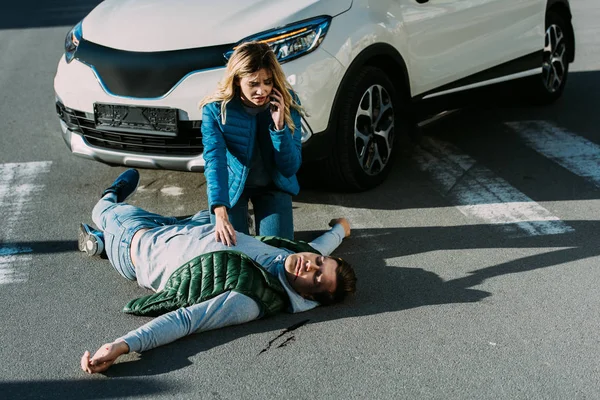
(555, 65)
(366, 131)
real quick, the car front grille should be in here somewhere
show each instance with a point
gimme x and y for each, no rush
(188, 141)
(143, 74)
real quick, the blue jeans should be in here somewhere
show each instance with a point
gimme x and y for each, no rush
(272, 212)
(120, 221)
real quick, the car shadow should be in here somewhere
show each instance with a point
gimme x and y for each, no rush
(385, 285)
(485, 135)
(43, 13)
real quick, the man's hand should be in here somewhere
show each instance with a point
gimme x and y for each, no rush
(105, 357)
(343, 222)
(224, 231)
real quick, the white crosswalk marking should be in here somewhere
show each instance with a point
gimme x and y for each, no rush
(478, 193)
(17, 190)
(573, 152)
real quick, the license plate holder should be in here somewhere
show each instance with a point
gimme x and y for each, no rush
(160, 121)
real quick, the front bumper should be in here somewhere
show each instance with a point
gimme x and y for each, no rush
(81, 148)
(183, 153)
(315, 77)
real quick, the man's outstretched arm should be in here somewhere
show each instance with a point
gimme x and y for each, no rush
(230, 308)
(330, 240)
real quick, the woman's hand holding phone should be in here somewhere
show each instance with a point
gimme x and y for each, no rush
(277, 109)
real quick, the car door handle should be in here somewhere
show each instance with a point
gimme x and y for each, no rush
(422, 1)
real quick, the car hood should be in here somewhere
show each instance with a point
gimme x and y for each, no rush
(159, 25)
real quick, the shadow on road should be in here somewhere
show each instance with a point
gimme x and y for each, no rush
(84, 389)
(45, 247)
(483, 134)
(44, 13)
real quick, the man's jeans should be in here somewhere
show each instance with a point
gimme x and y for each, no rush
(120, 221)
(272, 212)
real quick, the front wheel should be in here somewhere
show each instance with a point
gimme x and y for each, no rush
(555, 64)
(367, 126)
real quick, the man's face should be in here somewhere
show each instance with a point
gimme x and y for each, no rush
(310, 273)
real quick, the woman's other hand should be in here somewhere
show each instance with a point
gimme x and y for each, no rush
(224, 231)
(277, 109)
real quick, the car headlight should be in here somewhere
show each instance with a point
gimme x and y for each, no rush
(72, 42)
(306, 132)
(292, 41)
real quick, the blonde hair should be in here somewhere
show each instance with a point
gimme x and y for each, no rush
(247, 59)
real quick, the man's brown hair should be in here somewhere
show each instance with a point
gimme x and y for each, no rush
(345, 283)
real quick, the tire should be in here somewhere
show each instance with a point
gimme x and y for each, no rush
(549, 86)
(364, 150)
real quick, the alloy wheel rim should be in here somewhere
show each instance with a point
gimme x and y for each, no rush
(374, 130)
(553, 67)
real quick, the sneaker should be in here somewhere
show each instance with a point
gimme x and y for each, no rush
(88, 242)
(124, 186)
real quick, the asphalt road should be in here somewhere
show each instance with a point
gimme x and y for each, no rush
(451, 304)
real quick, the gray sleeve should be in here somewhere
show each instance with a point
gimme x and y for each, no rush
(330, 240)
(229, 308)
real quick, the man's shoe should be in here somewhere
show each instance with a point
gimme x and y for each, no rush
(124, 186)
(88, 242)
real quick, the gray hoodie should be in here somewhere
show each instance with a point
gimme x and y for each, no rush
(230, 308)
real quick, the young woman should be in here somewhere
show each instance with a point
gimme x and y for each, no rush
(252, 148)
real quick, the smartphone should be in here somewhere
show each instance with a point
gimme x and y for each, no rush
(273, 106)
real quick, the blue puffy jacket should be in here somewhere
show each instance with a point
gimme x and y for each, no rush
(228, 151)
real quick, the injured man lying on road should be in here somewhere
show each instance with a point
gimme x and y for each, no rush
(200, 283)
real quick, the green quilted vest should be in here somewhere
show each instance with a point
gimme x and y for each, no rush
(209, 275)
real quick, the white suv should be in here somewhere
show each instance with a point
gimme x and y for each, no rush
(133, 72)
